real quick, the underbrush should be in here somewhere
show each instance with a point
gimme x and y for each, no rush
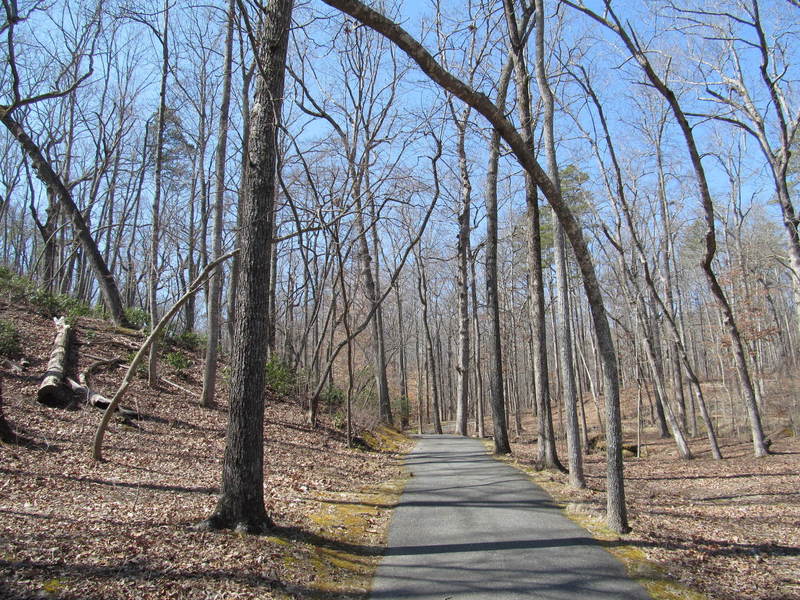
(21, 290)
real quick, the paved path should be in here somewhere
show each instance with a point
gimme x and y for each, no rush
(468, 526)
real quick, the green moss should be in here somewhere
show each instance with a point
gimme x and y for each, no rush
(347, 537)
(53, 586)
(385, 439)
(347, 564)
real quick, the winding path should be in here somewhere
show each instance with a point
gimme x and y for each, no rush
(468, 526)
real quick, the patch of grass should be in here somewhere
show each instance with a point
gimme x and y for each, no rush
(347, 565)
(9, 340)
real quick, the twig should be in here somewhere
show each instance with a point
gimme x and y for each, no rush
(175, 385)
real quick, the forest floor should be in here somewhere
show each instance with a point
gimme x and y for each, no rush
(729, 529)
(71, 528)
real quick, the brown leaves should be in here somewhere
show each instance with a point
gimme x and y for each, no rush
(730, 529)
(72, 528)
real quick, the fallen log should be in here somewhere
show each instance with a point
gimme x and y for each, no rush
(90, 396)
(52, 391)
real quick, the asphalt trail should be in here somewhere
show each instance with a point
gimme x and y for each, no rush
(468, 526)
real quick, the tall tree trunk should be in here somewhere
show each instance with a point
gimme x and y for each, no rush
(241, 503)
(478, 395)
(215, 288)
(379, 358)
(234, 281)
(404, 401)
(155, 228)
(494, 333)
(547, 455)
(462, 393)
(564, 329)
(422, 289)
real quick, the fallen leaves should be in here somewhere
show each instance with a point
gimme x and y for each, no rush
(74, 529)
(729, 529)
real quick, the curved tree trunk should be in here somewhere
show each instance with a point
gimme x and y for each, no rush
(616, 510)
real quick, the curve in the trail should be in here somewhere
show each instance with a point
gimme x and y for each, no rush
(468, 526)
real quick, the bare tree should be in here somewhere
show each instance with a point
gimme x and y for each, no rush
(215, 287)
(241, 503)
(612, 22)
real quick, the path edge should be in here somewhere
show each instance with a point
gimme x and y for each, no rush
(650, 575)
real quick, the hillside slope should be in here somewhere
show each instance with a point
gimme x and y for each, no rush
(74, 528)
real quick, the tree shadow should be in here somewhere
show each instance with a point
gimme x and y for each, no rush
(715, 547)
(297, 534)
(22, 438)
(138, 570)
(156, 487)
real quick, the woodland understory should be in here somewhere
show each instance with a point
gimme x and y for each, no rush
(72, 528)
(422, 214)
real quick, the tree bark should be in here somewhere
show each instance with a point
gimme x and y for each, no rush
(564, 329)
(463, 251)
(241, 503)
(215, 287)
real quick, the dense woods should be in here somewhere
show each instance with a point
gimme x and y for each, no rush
(476, 212)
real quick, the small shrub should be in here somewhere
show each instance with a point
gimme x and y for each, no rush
(339, 419)
(178, 361)
(9, 340)
(333, 396)
(281, 378)
(137, 318)
(44, 301)
(188, 340)
(6, 276)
